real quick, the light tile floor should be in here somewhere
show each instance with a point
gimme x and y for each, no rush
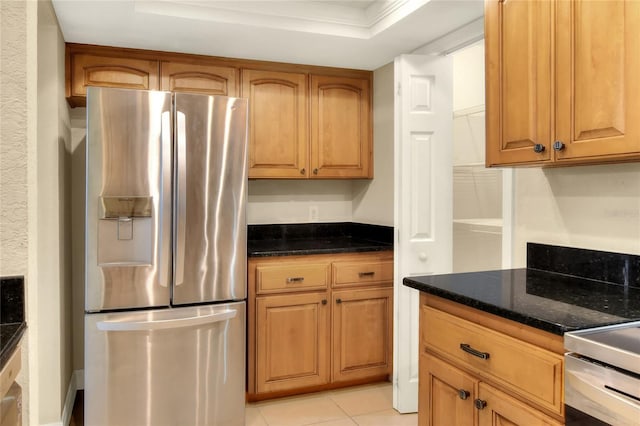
(368, 405)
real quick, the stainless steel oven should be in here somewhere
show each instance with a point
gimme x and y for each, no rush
(602, 375)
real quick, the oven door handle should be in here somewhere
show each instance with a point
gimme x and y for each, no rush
(589, 393)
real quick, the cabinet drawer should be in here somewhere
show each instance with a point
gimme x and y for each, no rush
(291, 277)
(531, 372)
(359, 272)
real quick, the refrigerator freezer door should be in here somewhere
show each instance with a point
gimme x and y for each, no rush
(182, 366)
(128, 206)
(210, 187)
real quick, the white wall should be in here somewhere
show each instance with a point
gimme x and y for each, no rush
(594, 207)
(292, 201)
(34, 232)
(468, 77)
(373, 200)
(53, 221)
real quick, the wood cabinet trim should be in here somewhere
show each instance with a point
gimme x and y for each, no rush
(121, 52)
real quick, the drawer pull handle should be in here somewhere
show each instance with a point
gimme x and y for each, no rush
(463, 394)
(338, 300)
(366, 274)
(480, 404)
(468, 349)
(324, 301)
(295, 279)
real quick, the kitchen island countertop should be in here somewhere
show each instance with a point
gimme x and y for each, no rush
(551, 296)
(551, 302)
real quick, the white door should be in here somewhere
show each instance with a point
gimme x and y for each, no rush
(422, 199)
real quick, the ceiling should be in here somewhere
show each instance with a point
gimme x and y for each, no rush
(361, 34)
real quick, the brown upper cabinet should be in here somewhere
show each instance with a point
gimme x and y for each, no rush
(341, 141)
(107, 71)
(278, 126)
(305, 121)
(562, 82)
(281, 144)
(198, 78)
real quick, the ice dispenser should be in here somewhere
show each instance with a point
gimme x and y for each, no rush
(125, 231)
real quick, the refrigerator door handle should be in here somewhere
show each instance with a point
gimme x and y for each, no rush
(181, 196)
(167, 323)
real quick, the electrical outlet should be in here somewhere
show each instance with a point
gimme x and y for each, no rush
(313, 213)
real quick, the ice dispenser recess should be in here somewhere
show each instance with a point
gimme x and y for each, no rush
(125, 231)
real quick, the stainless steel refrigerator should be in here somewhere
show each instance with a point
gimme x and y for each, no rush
(165, 258)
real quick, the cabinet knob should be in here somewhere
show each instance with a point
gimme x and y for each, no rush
(315, 171)
(324, 301)
(463, 394)
(558, 145)
(538, 148)
(303, 171)
(338, 300)
(480, 404)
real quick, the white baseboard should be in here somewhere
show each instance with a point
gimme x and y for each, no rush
(76, 383)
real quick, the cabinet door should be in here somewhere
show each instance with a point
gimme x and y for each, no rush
(518, 81)
(598, 63)
(195, 78)
(278, 129)
(106, 71)
(446, 394)
(362, 333)
(501, 409)
(340, 128)
(292, 337)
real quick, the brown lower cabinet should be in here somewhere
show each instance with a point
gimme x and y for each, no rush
(318, 322)
(10, 391)
(361, 333)
(449, 396)
(510, 374)
(290, 341)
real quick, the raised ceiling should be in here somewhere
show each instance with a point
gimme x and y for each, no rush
(352, 34)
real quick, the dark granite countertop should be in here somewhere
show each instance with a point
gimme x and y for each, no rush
(317, 238)
(12, 321)
(546, 299)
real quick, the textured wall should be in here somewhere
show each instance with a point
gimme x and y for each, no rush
(14, 153)
(13, 139)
